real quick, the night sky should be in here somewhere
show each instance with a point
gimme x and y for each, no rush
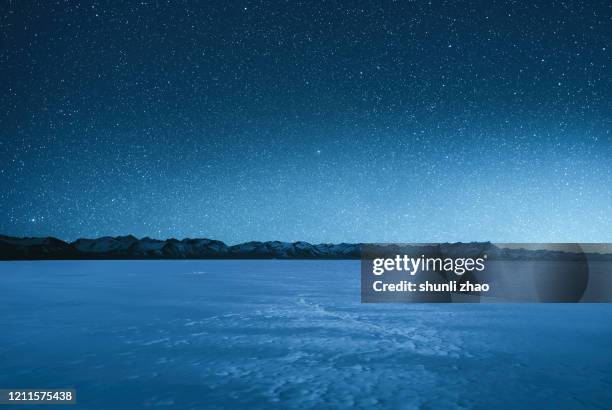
(351, 121)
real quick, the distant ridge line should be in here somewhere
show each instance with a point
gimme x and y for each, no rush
(130, 247)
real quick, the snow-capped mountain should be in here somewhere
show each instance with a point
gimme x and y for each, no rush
(130, 247)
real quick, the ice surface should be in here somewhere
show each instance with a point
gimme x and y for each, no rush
(279, 334)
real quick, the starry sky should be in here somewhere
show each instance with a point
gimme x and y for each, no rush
(392, 121)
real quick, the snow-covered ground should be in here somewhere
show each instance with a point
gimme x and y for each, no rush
(278, 334)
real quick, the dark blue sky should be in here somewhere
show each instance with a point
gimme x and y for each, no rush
(335, 121)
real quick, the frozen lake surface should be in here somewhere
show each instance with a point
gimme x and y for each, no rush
(277, 334)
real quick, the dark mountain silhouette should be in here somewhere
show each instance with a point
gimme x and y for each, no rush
(130, 247)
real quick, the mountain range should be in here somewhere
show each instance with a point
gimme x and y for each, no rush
(130, 247)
